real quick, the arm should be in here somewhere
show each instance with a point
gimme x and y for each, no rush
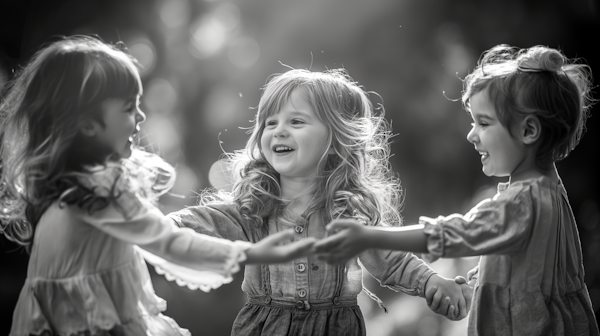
(182, 253)
(501, 226)
(352, 238)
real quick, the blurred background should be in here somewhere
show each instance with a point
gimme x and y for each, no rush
(204, 62)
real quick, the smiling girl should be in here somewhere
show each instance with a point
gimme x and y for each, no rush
(78, 195)
(318, 151)
(529, 109)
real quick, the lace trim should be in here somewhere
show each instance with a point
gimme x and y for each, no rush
(203, 280)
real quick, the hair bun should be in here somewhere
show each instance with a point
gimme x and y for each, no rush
(540, 58)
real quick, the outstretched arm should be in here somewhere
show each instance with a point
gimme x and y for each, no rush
(277, 248)
(350, 238)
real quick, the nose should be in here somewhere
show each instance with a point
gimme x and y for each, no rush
(280, 131)
(472, 136)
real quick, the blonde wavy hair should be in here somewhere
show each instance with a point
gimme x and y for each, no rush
(44, 156)
(355, 181)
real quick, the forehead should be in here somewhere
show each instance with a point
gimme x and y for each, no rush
(296, 103)
(481, 106)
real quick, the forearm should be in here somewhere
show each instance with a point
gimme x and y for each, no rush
(408, 238)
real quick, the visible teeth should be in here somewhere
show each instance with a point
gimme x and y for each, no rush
(483, 154)
(282, 148)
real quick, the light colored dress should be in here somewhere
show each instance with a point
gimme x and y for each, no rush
(306, 296)
(531, 278)
(87, 274)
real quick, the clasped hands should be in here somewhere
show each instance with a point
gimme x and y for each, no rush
(448, 297)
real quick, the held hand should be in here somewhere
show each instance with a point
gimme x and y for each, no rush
(445, 297)
(348, 242)
(467, 290)
(271, 251)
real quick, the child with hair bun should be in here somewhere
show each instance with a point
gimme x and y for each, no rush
(529, 109)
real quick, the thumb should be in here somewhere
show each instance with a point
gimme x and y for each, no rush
(460, 280)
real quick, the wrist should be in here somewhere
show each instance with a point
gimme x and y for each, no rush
(370, 237)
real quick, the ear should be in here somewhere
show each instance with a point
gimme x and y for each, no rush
(90, 128)
(531, 129)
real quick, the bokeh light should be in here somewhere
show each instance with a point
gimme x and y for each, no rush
(204, 63)
(174, 13)
(144, 51)
(243, 52)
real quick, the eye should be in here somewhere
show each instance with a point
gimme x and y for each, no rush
(270, 123)
(297, 121)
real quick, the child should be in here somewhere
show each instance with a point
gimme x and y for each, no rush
(78, 195)
(317, 152)
(529, 109)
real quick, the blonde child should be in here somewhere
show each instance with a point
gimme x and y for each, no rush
(529, 109)
(78, 195)
(318, 151)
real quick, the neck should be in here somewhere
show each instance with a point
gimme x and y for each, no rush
(299, 191)
(533, 172)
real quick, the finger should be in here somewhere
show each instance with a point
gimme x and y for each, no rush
(437, 301)
(443, 308)
(279, 237)
(299, 248)
(460, 280)
(451, 313)
(429, 295)
(329, 243)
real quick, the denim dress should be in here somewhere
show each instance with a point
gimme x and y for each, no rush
(305, 296)
(530, 277)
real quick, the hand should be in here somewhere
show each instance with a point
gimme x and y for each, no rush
(347, 243)
(467, 289)
(270, 250)
(445, 297)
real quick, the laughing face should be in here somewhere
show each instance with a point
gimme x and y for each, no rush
(121, 119)
(501, 153)
(294, 139)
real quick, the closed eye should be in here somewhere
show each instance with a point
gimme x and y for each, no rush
(297, 122)
(270, 123)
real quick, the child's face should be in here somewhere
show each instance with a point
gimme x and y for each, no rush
(121, 121)
(501, 153)
(294, 139)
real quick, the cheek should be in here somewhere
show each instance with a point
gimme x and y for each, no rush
(264, 142)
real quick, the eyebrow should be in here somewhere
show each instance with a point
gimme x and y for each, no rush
(293, 113)
(481, 116)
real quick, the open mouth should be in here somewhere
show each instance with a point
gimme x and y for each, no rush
(282, 149)
(484, 155)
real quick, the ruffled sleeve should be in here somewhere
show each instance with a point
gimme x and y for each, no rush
(189, 258)
(494, 226)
